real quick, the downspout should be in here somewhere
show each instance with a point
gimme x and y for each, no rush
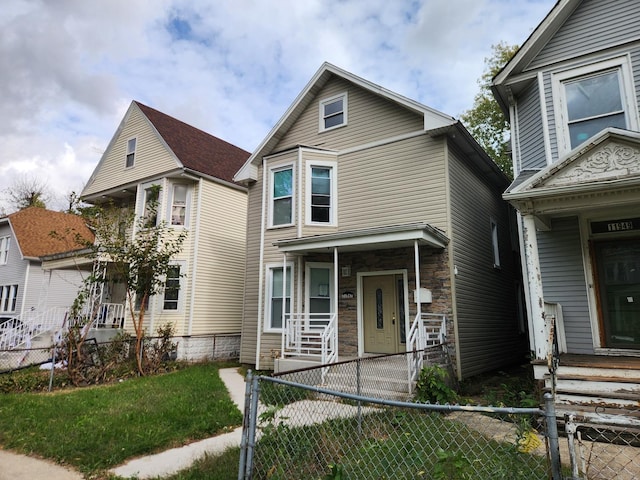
(194, 266)
(261, 263)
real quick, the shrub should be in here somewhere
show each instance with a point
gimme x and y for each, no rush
(432, 386)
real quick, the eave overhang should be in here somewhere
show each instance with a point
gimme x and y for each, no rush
(376, 238)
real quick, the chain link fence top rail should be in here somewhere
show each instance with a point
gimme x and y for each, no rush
(304, 432)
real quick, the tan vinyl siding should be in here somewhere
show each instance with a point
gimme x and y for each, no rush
(219, 295)
(370, 118)
(152, 156)
(485, 296)
(398, 183)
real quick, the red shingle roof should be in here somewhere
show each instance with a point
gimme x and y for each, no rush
(197, 150)
(33, 228)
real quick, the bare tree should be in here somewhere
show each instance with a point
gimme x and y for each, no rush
(28, 191)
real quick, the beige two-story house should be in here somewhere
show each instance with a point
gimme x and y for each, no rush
(194, 172)
(369, 212)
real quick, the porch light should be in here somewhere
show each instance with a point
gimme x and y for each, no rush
(346, 271)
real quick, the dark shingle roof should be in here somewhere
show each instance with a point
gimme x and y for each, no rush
(197, 150)
(33, 229)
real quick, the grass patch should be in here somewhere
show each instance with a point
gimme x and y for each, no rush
(221, 467)
(99, 427)
(392, 445)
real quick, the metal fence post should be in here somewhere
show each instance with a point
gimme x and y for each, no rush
(359, 392)
(245, 426)
(253, 422)
(552, 435)
(570, 428)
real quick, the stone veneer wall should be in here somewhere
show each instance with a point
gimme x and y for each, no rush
(434, 275)
(209, 347)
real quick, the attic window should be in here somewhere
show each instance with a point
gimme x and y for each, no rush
(333, 112)
(131, 153)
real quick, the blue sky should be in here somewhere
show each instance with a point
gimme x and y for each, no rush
(70, 68)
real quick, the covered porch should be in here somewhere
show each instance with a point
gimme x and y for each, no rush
(353, 294)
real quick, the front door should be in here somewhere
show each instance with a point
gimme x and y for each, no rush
(380, 315)
(618, 271)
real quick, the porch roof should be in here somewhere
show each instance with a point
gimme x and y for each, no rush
(376, 238)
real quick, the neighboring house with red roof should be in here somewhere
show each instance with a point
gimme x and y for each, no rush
(194, 171)
(26, 288)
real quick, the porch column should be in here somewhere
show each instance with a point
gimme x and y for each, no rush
(534, 281)
(335, 282)
(416, 255)
(284, 303)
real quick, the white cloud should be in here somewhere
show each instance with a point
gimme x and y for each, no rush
(70, 68)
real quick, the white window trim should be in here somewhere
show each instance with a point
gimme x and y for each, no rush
(269, 267)
(272, 171)
(5, 244)
(187, 210)
(623, 65)
(345, 107)
(143, 199)
(181, 291)
(333, 208)
(7, 293)
(307, 276)
(495, 243)
(127, 152)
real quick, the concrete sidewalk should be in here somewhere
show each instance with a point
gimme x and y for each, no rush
(176, 459)
(14, 466)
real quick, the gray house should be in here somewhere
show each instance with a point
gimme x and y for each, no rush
(571, 93)
(370, 213)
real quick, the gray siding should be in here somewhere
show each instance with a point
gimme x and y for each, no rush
(563, 280)
(595, 25)
(13, 273)
(484, 296)
(532, 154)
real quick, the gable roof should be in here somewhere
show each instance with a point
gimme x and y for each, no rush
(609, 159)
(549, 26)
(33, 229)
(433, 119)
(195, 149)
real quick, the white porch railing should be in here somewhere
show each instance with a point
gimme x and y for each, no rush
(311, 336)
(21, 329)
(427, 330)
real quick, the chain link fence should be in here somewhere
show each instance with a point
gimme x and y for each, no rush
(296, 430)
(603, 447)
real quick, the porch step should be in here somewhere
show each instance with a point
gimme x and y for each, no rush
(595, 390)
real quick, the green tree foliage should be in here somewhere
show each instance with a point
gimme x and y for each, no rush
(140, 254)
(485, 119)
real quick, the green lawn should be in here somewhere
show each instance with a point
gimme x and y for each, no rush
(97, 428)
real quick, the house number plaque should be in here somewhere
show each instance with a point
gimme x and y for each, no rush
(614, 226)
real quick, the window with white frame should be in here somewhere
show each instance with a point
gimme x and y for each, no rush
(319, 288)
(8, 298)
(131, 153)
(321, 193)
(172, 289)
(4, 249)
(179, 203)
(495, 245)
(281, 196)
(591, 99)
(333, 112)
(278, 302)
(151, 205)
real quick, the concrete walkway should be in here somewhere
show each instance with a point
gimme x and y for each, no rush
(176, 459)
(14, 466)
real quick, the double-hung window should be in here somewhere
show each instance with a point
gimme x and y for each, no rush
(591, 99)
(179, 204)
(282, 196)
(8, 298)
(131, 153)
(321, 193)
(151, 205)
(278, 296)
(333, 112)
(172, 288)
(4, 249)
